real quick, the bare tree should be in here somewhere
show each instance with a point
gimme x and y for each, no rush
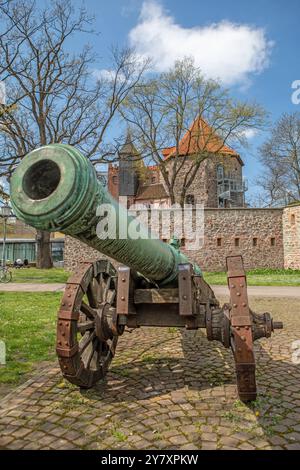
(160, 112)
(3, 194)
(53, 95)
(280, 156)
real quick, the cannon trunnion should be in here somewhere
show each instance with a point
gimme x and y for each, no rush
(56, 189)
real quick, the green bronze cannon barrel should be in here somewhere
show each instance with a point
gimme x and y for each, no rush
(55, 188)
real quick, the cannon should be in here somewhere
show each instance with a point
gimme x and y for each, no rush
(55, 188)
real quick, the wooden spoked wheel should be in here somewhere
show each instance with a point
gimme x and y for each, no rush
(87, 330)
(241, 337)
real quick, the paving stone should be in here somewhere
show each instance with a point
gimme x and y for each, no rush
(246, 446)
(178, 440)
(208, 436)
(21, 432)
(209, 445)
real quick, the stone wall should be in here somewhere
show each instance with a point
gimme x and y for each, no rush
(75, 252)
(257, 234)
(291, 237)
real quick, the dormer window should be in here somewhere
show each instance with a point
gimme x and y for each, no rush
(153, 179)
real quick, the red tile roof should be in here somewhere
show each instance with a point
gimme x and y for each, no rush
(200, 136)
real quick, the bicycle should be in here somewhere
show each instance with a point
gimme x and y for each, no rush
(5, 274)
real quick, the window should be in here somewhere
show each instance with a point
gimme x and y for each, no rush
(182, 242)
(220, 172)
(219, 241)
(272, 241)
(254, 242)
(115, 179)
(293, 219)
(190, 199)
(153, 179)
(236, 242)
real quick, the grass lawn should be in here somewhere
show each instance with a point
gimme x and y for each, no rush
(260, 277)
(28, 328)
(34, 275)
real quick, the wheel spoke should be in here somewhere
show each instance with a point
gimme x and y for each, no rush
(84, 326)
(106, 289)
(93, 293)
(92, 352)
(111, 296)
(86, 340)
(87, 310)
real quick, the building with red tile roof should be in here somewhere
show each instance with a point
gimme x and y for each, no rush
(217, 183)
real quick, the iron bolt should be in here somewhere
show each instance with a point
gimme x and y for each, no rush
(184, 297)
(243, 338)
(241, 285)
(238, 294)
(235, 305)
(123, 279)
(244, 304)
(122, 298)
(237, 328)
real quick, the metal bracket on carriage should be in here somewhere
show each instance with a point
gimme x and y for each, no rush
(185, 293)
(125, 304)
(241, 329)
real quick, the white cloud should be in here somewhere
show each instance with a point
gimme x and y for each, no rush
(225, 50)
(249, 133)
(108, 75)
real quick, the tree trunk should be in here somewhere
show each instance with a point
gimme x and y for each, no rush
(43, 255)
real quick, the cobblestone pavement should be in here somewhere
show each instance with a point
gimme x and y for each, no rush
(166, 389)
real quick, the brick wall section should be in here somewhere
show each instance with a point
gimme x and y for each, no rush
(291, 237)
(228, 225)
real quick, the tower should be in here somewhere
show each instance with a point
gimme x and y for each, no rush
(128, 177)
